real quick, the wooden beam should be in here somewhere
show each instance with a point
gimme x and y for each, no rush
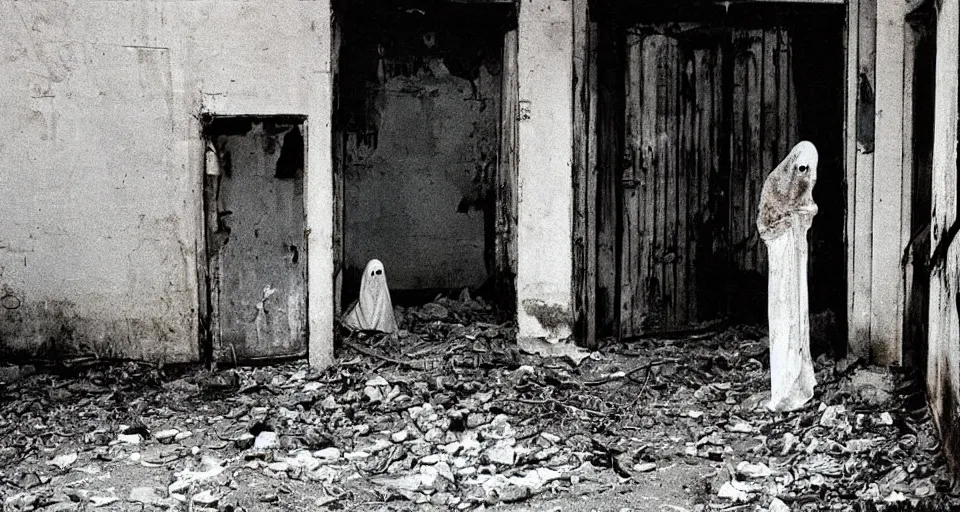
(590, 337)
(862, 19)
(610, 108)
(888, 240)
(336, 43)
(506, 191)
(943, 363)
(580, 156)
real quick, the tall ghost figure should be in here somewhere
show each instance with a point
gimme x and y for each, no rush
(785, 214)
(374, 310)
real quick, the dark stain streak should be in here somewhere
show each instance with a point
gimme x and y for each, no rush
(551, 317)
(143, 47)
(938, 258)
(866, 113)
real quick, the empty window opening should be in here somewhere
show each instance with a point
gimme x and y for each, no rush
(418, 121)
(255, 245)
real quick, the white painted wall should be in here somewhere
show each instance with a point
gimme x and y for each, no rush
(100, 180)
(544, 265)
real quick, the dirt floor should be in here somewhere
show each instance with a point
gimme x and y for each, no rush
(451, 415)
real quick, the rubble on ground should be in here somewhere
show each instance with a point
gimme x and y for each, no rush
(449, 414)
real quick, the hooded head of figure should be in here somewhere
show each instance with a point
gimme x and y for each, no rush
(373, 311)
(788, 190)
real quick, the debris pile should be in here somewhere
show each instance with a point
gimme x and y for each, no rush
(448, 414)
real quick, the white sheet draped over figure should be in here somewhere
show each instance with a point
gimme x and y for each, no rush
(373, 311)
(786, 213)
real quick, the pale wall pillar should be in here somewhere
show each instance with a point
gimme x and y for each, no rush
(878, 185)
(318, 190)
(545, 157)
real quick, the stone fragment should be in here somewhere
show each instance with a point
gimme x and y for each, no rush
(553, 438)
(728, 491)
(166, 435)
(145, 495)
(64, 461)
(832, 416)
(266, 440)
(776, 505)
(373, 394)
(205, 499)
(501, 453)
(245, 441)
(750, 470)
(399, 437)
(645, 467)
(129, 438)
(279, 467)
(102, 501)
(328, 454)
(377, 381)
(358, 455)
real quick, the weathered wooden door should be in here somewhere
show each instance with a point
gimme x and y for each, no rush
(255, 239)
(695, 168)
(673, 116)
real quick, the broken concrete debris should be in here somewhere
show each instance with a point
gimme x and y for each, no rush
(463, 420)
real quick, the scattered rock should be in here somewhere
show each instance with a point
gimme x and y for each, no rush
(64, 461)
(129, 438)
(166, 435)
(776, 505)
(266, 440)
(205, 499)
(832, 416)
(102, 501)
(145, 495)
(749, 470)
(645, 467)
(328, 454)
(501, 453)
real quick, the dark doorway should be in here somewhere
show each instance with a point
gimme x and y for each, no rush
(417, 137)
(713, 98)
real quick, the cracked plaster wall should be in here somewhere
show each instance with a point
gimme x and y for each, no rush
(101, 174)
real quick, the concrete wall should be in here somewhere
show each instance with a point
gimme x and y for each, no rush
(101, 174)
(545, 142)
(418, 185)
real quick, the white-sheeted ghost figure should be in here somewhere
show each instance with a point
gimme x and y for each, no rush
(373, 311)
(785, 214)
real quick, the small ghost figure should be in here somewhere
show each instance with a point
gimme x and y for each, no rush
(785, 214)
(374, 309)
